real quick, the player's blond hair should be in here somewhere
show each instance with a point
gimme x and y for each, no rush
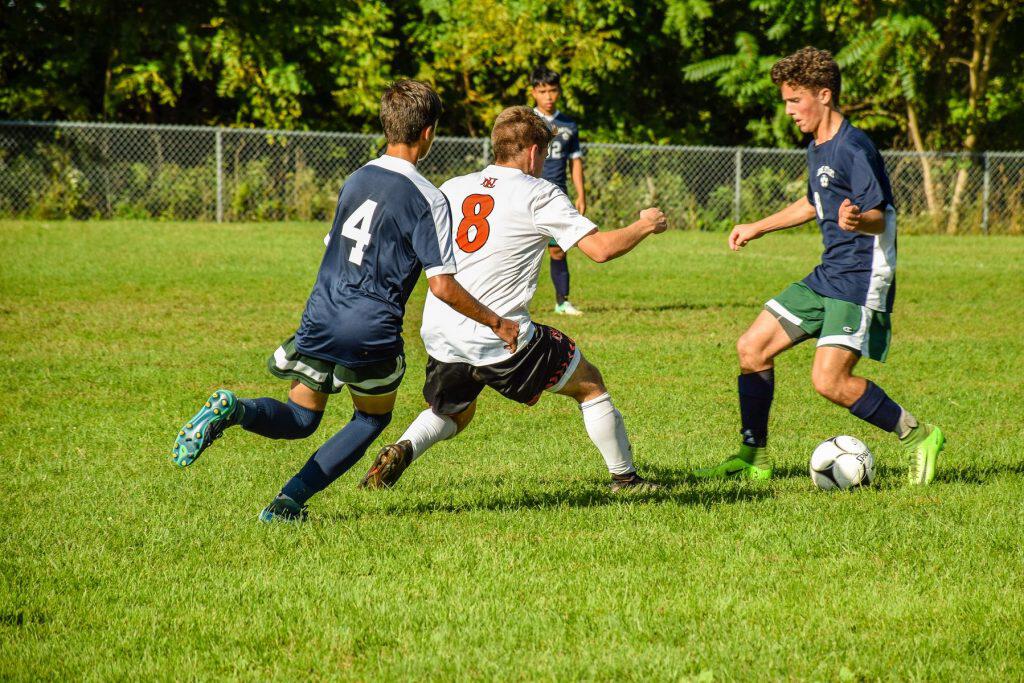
(516, 129)
(809, 68)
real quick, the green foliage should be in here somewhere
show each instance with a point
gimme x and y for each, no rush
(682, 71)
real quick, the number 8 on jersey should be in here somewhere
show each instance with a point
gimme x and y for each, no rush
(475, 210)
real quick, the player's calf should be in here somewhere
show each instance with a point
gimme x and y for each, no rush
(605, 426)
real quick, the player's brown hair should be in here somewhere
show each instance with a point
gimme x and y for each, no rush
(809, 68)
(406, 108)
(516, 129)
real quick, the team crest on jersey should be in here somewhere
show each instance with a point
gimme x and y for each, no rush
(489, 182)
(824, 174)
(563, 132)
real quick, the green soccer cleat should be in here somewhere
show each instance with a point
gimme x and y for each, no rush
(205, 427)
(283, 509)
(923, 454)
(749, 463)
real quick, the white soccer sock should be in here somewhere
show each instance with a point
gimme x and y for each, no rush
(906, 424)
(427, 429)
(608, 432)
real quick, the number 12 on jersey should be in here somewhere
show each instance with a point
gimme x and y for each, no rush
(474, 229)
(357, 229)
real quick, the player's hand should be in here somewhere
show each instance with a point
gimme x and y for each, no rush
(508, 332)
(741, 234)
(656, 217)
(849, 216)
(581, 206)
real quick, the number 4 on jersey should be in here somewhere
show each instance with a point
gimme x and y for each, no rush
(357, 229)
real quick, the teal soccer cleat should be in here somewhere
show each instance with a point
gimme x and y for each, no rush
(205, 427)
(283, 509)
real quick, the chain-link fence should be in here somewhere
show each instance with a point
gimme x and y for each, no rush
(88, 170)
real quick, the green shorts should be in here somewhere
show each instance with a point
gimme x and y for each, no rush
(805, 314)
(328, 378)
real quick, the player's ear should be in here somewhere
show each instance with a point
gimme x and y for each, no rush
(427, 134)
(825, 96)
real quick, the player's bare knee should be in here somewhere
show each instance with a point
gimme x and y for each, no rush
(828, 384)
(463, 419)
(750, 353)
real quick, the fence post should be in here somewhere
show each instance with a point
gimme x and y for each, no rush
(985, 192)
(736, 182)
(220, 176)
(485, 156)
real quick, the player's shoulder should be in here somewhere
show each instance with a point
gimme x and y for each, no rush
(856, 140)
(492, 180)
(461, 183)
(561, 118)
(407, 184)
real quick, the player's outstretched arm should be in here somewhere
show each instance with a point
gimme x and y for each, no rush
(797, 213)
(447, 289)
(605, 246)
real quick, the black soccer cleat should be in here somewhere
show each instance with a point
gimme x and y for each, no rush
(388, 466)
(632, 482)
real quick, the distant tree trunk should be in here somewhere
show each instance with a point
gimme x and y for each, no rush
(467, 83)
(926, 164)
(978, 69)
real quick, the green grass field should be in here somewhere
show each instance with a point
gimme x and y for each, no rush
(500, 555)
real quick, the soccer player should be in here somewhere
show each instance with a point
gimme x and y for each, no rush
(390, 224)
(846, 301)
(504, 217)
(564, 150)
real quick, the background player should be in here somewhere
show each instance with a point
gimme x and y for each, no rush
(505, 216)
(564, 150)
(390, 223)
(846, 301)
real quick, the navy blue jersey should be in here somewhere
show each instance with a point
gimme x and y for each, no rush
(854, 267)
(389, 225)
(564, 146)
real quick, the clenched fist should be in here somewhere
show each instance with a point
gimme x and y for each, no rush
(656, 217)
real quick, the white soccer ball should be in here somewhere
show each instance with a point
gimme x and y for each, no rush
(842, 462)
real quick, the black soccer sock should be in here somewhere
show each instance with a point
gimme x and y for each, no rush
(275, 420)
(335, 457)
(875, 407)
(756, 390)
(560, 278)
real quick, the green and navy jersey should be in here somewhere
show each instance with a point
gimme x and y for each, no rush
(390, 224)
(854, 267)
(564, 146)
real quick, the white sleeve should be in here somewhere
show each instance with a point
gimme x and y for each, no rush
(442, 216)
(556, 217)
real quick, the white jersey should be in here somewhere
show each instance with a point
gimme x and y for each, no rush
(503, 220)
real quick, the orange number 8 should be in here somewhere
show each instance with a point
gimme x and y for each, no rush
(475, 210)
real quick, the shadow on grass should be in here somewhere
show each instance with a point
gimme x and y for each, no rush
(890, 473)
(398, 502)
(677, 306)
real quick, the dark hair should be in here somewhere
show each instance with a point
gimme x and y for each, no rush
(544, 76)
(516, 129)
(406, 108)
(809, 68)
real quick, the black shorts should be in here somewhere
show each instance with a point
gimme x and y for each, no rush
(547, 359)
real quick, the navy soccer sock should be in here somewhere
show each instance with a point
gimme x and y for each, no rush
(876, 407)
(275, 420)
(560, 278)
(335, 457)
(756, 389)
